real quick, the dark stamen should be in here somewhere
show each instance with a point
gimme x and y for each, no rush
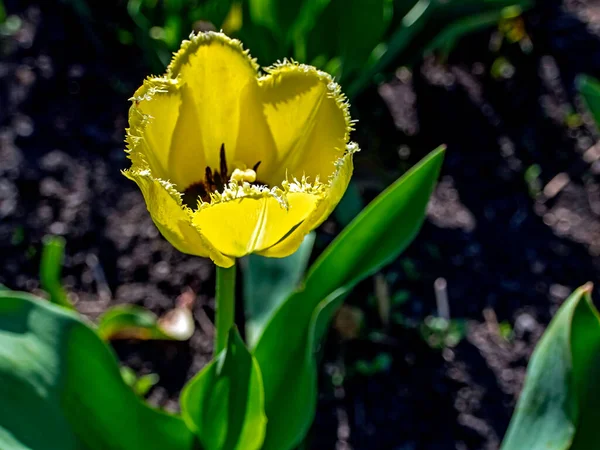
(209, 177)
(218, 181)
(223, 163)
(191, 194)
(214, 181)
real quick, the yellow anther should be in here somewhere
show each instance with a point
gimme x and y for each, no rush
(247, 175)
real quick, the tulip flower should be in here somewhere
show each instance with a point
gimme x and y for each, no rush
(231, 160)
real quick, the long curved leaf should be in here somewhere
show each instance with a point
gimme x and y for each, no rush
(380, 233)
(377, 236)
(291, 411)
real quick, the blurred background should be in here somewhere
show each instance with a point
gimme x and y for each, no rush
(440, 339)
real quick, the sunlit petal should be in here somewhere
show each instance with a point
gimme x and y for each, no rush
(338, 184)
(308, 118)
(220, 79)
(246, 225)
(173, 221)
(152, 119)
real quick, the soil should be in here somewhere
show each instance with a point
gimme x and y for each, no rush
(511, 229)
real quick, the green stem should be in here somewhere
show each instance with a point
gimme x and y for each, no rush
(225, 303)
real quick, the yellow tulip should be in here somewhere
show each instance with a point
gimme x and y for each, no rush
(232, 161)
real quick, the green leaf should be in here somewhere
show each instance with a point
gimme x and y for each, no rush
(262, 41)
(447, 39)
(286, 19)
(351, 47)
(268, 282)
(60, 387)
(53, 254)
(558, 407)
(215, 11)
(293, 399)
(264, 13)
(589, 88)
(379, 233)
(224, 403)
(377, 236)
(419, 30)
(136, 322)
(350, 205)
(172, 30)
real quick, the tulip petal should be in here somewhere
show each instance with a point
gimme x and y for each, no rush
(337, 186)
(172, 220)
(255, 141)
(220, 78)
(187, 161)
(152, 119)
(308, 118)
(248, 224)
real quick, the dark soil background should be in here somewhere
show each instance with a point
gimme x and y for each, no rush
(512, 227)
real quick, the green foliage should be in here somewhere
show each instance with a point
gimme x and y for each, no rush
(589, 88)
(10, 25)
(506, 330)
(558, 406)
(353, 40)
(286, 19)
(18, 235)
(140, 385)
(291, 411)
(60, 387)
(334, 43)
(376, 237)
(350, 205)
(381, 231)
(400, 297)
(53, 254)
(532, 178)
(428, 25)
(53, 366)
(380, 363)
(224, 403)
(161, 26)
(268, 282)
(440, 333)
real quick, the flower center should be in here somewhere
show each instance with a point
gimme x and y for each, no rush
(215, 180)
